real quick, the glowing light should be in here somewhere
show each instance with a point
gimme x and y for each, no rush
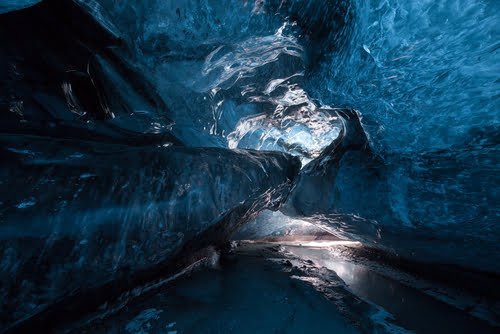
(320, 243)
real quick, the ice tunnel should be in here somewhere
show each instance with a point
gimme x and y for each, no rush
(249, 166)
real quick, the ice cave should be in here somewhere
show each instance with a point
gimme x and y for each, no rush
(249, 166)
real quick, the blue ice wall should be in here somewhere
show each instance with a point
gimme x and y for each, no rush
(10, 5)
(423, 76)
(413, 171)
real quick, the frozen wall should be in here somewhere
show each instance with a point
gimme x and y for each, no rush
(11, 5)
(191, 84)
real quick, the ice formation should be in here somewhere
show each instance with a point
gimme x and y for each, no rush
(138, 133)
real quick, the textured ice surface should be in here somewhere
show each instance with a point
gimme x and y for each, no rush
(398, 294)
(245, 294)
(438, 206)
(75, 216)
(71, 82)
(424, 74)
(231, 74)
(10, 5)
(416, 175)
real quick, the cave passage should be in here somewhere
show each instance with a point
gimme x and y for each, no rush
(257, 166)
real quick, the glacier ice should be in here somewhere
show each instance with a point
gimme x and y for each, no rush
(424, 77)
(238, 84)
(432, 207)
(11, 5)
(112, 110)
(88, 214)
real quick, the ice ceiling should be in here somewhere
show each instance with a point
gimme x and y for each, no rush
(138, 133)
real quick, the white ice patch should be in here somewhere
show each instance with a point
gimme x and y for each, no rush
(141, 324)
(383, 319)
(288, 119)
(28, 203)
(87, 175)
(11, 5)
(26, 152)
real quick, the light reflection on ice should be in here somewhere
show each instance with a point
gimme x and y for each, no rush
(266, 72)
(228, 64)
(28, 203)
(321, 243)
(141, 324)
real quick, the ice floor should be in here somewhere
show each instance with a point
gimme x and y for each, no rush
(246, 293)
(282, 288)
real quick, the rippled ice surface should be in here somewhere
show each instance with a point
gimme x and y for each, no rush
(269, 75)
(232, 74)
(266, 74)
(425, 73)
(10, 5)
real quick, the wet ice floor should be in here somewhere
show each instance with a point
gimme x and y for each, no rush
(410, 307)
(247, 294)
(287, 289)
